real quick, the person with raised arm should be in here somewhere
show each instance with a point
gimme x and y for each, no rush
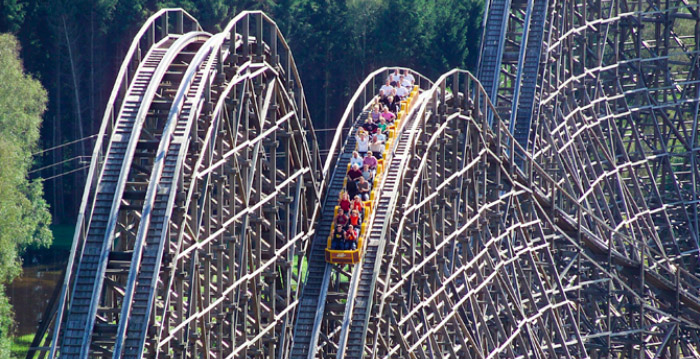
(362, 143)
(376, 147)
(350, 239)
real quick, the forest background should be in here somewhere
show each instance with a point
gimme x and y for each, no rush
(74, 49)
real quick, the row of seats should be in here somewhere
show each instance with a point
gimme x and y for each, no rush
(345, 240)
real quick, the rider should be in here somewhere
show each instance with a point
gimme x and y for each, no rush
(338, 241)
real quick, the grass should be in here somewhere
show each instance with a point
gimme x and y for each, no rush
(295, 270)
(20, 345)
(54, 256)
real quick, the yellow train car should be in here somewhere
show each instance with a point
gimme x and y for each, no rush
(354, 256)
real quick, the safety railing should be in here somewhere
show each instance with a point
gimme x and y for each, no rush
(167, 136)
(157, 27)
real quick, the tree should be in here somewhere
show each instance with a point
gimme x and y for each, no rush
(24, 215)
(318, 36)
(12, 15)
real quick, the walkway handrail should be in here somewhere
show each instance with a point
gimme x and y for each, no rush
(166, 138)
(132, 59)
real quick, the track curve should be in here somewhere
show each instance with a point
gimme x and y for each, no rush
(559, 220)
(191, 215)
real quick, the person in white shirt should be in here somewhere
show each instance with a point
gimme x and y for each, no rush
(376, 146)
(409, 77)
(404, 82)
(402, 92)
(362, 143)
(356, 159)
(381, 137)
(386, 88)
(395, 76)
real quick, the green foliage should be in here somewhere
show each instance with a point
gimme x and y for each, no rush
(21, 345)
(12, 15)
(24, 216)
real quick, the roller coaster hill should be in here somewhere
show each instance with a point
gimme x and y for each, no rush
(545, 207)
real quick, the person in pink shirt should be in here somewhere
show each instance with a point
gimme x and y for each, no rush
(370, 161)
(388, 116)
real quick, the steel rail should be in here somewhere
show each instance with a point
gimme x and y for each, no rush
(375, 244)
(133, 56)
(123, 162)
(316, 260)
(190, 93)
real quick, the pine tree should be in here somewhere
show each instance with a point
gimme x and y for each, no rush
(24, 216)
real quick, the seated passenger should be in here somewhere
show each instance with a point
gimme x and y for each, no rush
(388, 116)
(367, 173)
(371, 161)
(384, 101)
(345, 203)
(395, 76)
(376, 146)
(375, 114)
(357, 204)
(363, 187)
(354, 172)
(338, 240)
(362, 143)
(405, 83)
(370, 126)
(402, 92)
(383, 127)
(407, 75)
(394, 105)
(350, 239)
(355, 218)
(386, 88)
(380, 96)
(356, 159)
(341, 220)
(381, 138)
(352, 189)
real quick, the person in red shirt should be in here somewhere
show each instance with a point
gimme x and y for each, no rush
(341, 220)
(345, 202)
(350, 239)
(354, 172)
